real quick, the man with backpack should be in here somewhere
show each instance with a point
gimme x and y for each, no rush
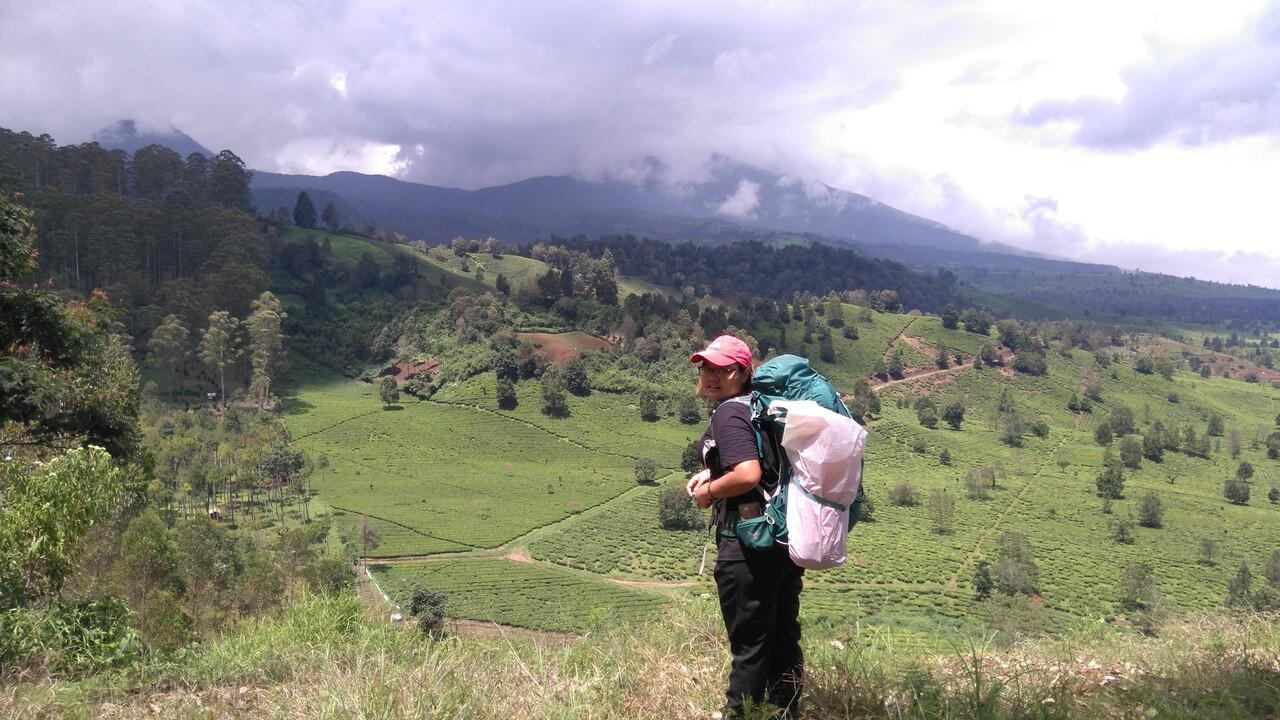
(759, 587)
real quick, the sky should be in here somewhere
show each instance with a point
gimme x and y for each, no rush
(1141, 134)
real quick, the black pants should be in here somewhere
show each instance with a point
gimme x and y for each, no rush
(760, 600)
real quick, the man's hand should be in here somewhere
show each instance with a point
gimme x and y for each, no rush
(697, 480)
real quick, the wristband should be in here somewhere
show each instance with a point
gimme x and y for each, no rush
(710, 495)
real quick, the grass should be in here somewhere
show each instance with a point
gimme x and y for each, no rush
(322, 658)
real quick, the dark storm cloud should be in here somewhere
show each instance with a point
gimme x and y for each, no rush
(1210, 94)
(474, 93)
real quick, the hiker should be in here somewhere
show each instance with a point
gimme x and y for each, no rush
(759, 589)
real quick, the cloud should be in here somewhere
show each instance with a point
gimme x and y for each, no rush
(742, 203)
(1201, 95)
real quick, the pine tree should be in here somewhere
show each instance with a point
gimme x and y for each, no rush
(304, 212)
(982, 582)
(330, 216)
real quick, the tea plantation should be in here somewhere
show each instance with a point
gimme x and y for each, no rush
(520, 479)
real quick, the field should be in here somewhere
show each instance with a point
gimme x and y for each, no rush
(559, 347)
(560, 492)
(548, 598)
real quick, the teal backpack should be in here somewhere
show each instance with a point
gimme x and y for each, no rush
(786, 377)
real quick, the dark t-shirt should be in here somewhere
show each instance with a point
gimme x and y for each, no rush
(729, 440)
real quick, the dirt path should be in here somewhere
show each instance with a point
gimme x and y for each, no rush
(995, 525)
(917, 376)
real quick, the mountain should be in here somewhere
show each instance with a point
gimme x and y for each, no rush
(732, 202)
(125, 135)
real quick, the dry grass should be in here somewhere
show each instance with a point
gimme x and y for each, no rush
(323, 659)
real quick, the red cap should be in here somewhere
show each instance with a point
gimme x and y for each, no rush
(724, 351)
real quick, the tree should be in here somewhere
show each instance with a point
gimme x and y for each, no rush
(554, 402)
(304, 212)
(1122, 420)
(329, 215)
(1150, 510)
(388, 392)
(506, 393)
(1110, 481)
(168, 346)
(220, 346)
(688, 410)
(1153, 444)
(826, 348)
(45, 511)
(944, 457)
(370, 538)
(1102, 433)
(502, 285)
(575, 376)
(1240, 589)
(209, 563)
(691, 458)
(953, 413)
(1215, 425)
(1122, 530)
(1011, 430)
(1274, 495)
(982, 582)
(646, 471)
(1016, 571)
(229, 182)
(977, 482)
(927, 413)
(942, 508)
(1236, 491)
(1138, 589)
(676, 510)
(266, 344)
(148, 558)
(950, 317)
(648, 405)
(428, 607)
(1131, 452)
(1244, 471)
(897, 363)
(1208, 550)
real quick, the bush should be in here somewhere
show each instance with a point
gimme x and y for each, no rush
(982, 582)
(1102, 434)
(1274, 495)
(506, 392)
(1236, 491)
(328, 576)
(646, 471)
(1122, 531)
(904, 494)
(944, 457)
(927, 413)
(689, 412)
(676, 510)
(1131, 452)
(691, 458)
(1040, 428)
(1150, 511)
(953, 414)
(1110, 482)
(1016, 571)
(919, 446)
(648, 405)
(1011, 430)
(428, 607)
(575, 376)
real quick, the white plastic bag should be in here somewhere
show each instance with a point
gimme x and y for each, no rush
(825, 450)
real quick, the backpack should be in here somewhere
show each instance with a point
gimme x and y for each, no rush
(817, 447)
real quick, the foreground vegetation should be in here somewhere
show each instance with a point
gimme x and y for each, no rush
(326, 658)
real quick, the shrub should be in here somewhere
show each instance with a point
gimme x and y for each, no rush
(1208, 551)
(1131, 452)
(1138, 589)
(388, 392)
(676, 510)
(328, 575)
(691, 458)
(904, 494)
(1122, 531)
(1102, 434)
(428, 607)
(1244, 471)
(1150, 510)
(944, 457)
(1040, 428)
(919, 446)
(1274, 495)
(646, 471)
(648, 405)
(1016, 571)
(927, 413)
(1236, 491)
(689, 412)
(953, 414)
